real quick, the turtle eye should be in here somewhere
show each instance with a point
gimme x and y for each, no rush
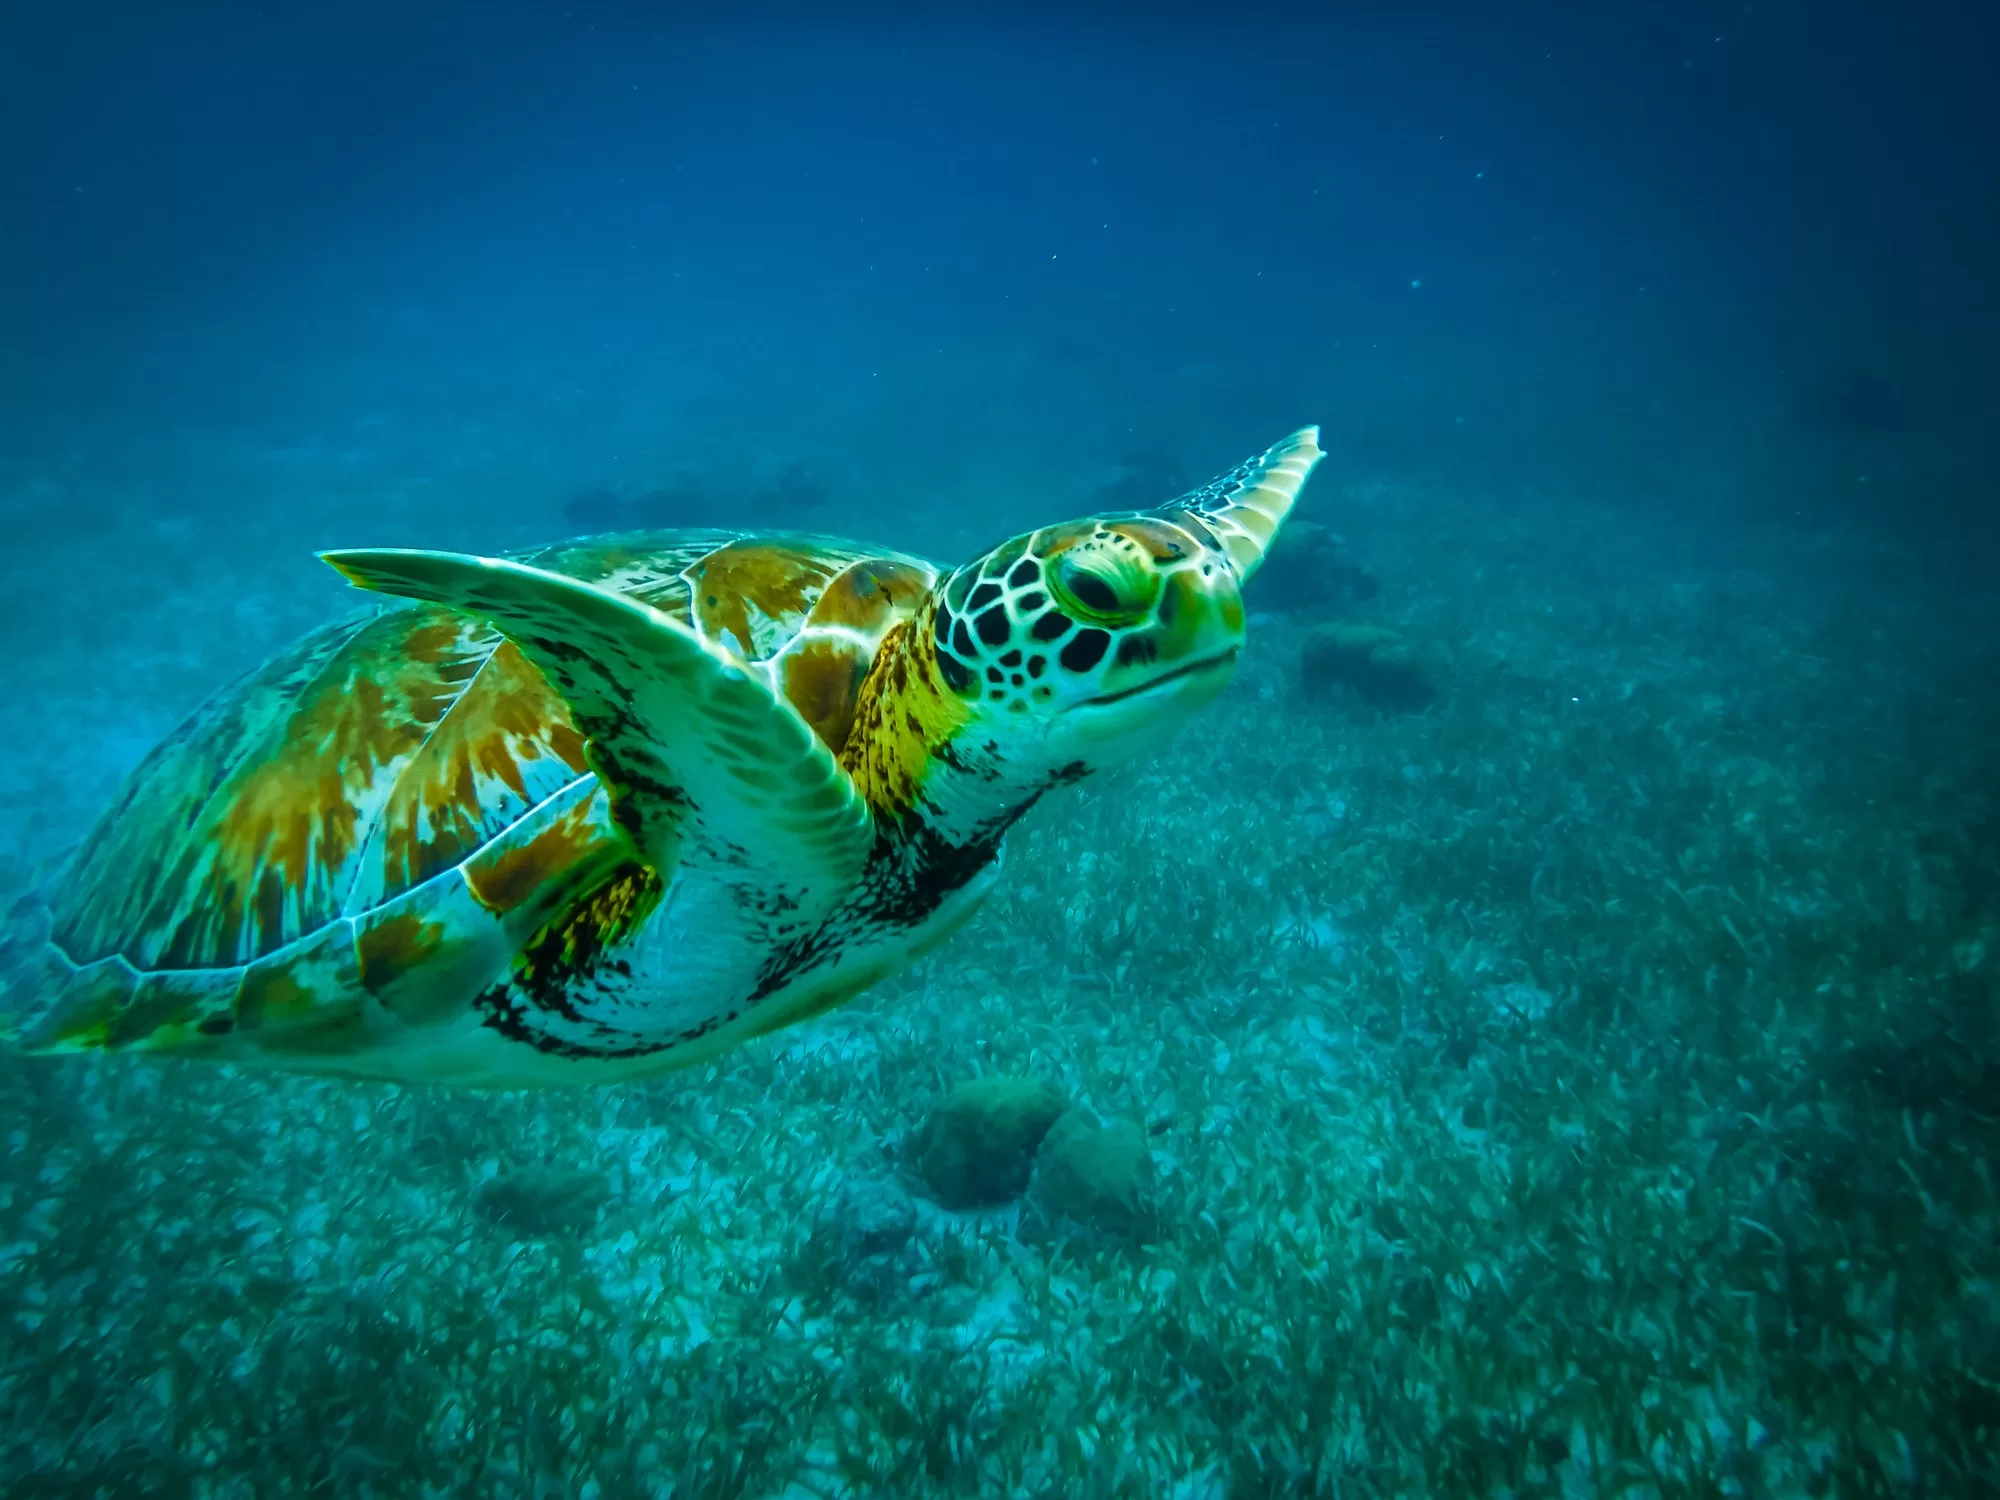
(1107, 587)
(1092, 592)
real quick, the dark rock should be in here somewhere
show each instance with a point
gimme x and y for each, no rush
(978, 1146)
(1098, 1176)
(1370, 660)
(1310, 571)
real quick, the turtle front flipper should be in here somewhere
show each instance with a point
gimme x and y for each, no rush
(1245, 507)
(688, 744)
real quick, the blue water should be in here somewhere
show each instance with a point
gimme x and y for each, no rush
(1571, 1077)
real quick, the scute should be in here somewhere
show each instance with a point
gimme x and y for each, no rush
(391, 747)
(756, 594)
(505, 746)
(570, 832)
(245, 831)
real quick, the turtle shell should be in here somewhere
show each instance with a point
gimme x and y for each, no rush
(279, 859)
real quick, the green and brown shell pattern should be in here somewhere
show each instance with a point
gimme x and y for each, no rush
(270, 883)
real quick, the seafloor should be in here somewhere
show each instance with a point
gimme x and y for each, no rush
(1584, 1086)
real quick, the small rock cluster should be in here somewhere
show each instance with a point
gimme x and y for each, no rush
(992, 1141)
(1097, 1176)
(978, 1147)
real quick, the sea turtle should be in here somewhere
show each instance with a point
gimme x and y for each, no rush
(611, 807)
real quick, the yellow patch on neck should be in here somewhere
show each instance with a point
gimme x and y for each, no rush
(905, 712)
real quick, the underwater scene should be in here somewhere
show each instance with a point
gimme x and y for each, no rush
(1019, 750)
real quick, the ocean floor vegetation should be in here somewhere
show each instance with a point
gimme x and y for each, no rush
(1584, 1087)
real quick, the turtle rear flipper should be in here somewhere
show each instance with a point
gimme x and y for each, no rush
(690, 746)
(48, 1003)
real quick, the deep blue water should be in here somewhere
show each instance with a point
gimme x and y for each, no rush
(1507, 241)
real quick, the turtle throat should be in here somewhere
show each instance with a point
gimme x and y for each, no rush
(931, 767)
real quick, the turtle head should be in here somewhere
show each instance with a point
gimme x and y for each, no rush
(1090, 639)
(1078, 645)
